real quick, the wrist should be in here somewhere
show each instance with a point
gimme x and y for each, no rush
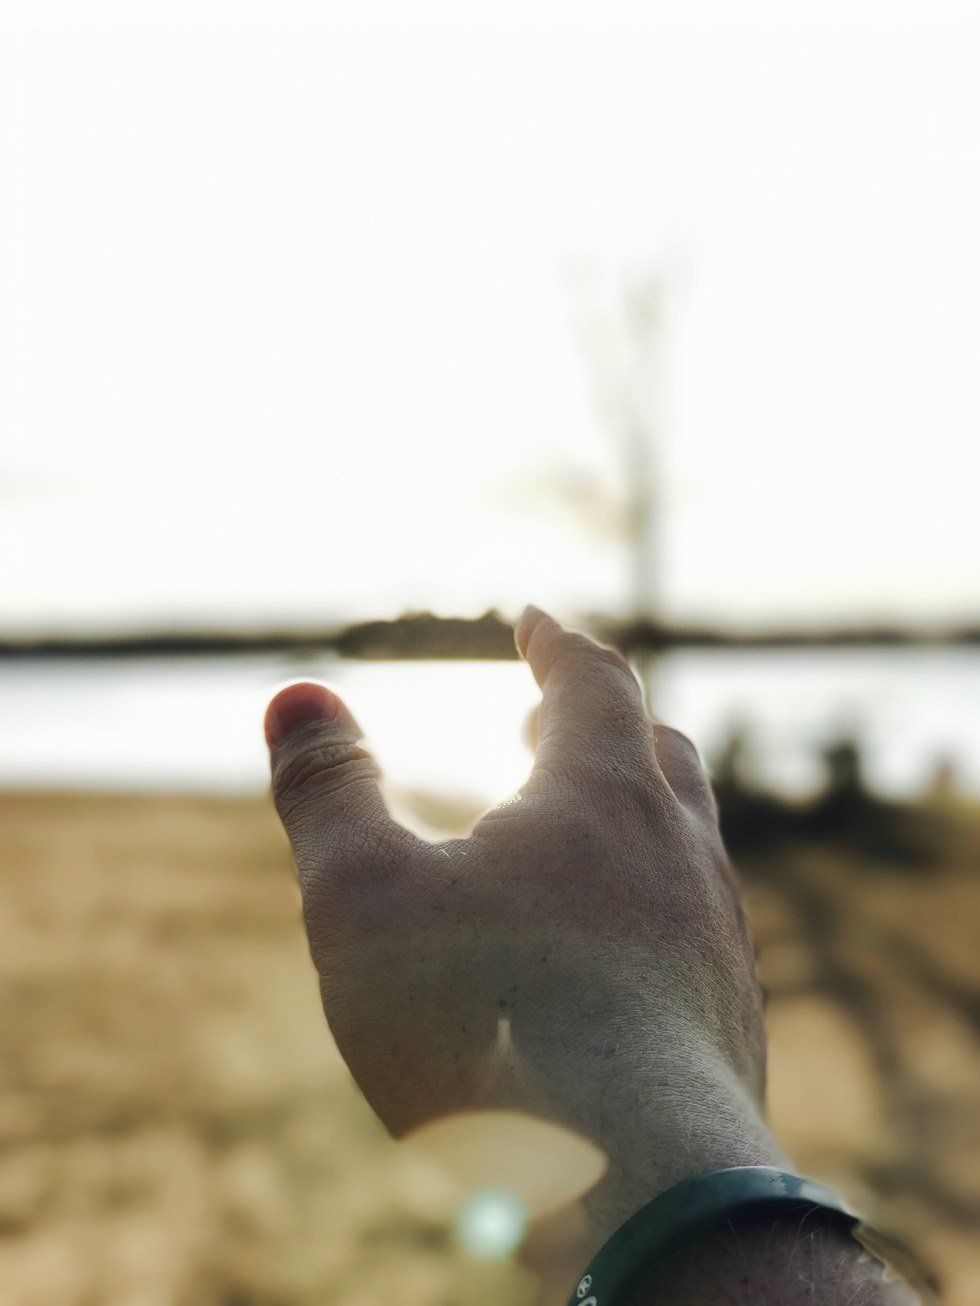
(650, 1147)
(701, 1123)
(663, 1105)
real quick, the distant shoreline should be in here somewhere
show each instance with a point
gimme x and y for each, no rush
(490, 637)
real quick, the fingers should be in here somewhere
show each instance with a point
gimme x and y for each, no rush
(325, 786)
(591, 708)
(592, 711)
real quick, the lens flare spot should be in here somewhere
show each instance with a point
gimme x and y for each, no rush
(491, 1223)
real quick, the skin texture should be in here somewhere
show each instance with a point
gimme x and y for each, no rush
(582, 956)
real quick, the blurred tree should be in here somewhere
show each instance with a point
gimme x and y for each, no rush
(622, 327)
(627, 346)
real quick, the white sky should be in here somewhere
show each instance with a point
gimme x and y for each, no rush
(289, 307)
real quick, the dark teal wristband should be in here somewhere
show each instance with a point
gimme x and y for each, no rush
(689, 1210)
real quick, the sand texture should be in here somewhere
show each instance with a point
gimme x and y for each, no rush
(177, 1130)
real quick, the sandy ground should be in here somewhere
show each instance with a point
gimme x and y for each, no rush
(176, 1128)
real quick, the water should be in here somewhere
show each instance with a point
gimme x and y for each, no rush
(455, 728)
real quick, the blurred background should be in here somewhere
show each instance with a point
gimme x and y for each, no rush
(333, 336)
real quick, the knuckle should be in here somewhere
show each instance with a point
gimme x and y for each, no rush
(318, 770)
(574, 645)
(602, 663)
(613, 658)
(621, 781)
(679, 756)
(619, 675)
(671, 736)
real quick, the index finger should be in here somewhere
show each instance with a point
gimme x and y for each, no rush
(592, 706)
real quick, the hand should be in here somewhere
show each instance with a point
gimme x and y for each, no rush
(582, 956)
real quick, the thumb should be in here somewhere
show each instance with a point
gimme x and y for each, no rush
(325, 786)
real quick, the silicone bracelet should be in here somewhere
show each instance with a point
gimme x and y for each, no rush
(687, 1211)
